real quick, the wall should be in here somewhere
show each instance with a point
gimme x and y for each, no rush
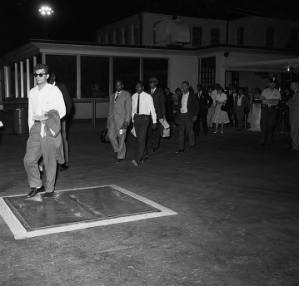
(84, 110)
(149, 20)
(182, 68)
(255, 31)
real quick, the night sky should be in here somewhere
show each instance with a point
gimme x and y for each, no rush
(78, 20)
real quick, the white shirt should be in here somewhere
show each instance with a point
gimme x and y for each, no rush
(43, 100)
(153, 90)
(184, 108)
(269, 94)
(239, 101)
(146, 105)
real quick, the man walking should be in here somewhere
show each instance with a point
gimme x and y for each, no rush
(45, 109)
(142, 110)
(154, 135)
(294, 116)
(270, 99)
(120, 110)
(188, 110)
(241, 104)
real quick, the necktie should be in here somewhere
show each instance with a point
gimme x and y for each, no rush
(116, 96)
(138, 103)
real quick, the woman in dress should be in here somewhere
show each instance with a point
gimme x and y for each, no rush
(220, 115)
(211, 110)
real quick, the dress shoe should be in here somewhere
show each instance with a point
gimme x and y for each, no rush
(120, 160)
(63, 167)
(49, 194)
(35, 191)
(180, 151)
(135, 163)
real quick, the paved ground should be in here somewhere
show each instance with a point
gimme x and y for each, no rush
(237, 222)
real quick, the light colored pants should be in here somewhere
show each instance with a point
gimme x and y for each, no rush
(117, 140)
(38, 147)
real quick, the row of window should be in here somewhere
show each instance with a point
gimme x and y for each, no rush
(215, 36)
(129, 36)
(95, 74)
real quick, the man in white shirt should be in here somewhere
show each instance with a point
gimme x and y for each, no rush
(142, 109)
(42, 98)
(270, 99)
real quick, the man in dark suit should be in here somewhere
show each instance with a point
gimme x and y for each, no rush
(65, 121)
(241, 105)
(187, 115)
(154, 135)
(204, 102)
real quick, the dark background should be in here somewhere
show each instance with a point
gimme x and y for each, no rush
(78, 20)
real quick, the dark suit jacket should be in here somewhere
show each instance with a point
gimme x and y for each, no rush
(66, 97)
(159, 103)
(244, 103)
(192, 104)
(204, 102)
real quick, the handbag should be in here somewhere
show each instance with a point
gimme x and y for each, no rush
(224, 107)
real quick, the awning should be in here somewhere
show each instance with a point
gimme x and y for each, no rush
(277, 65)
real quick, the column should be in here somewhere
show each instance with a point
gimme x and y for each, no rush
(111, 79)
(34, 64)
(6, 81)
(141, 69)
(43, 58)
(16, 81)
(27, 76)
(78, 62)
(22, 78)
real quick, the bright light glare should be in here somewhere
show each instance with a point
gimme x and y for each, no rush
(46, 10)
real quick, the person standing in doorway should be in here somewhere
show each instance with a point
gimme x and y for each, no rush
(154, 135)
(65, 121)
(143, 113)
(270, 99)
(241, 103)
(187, 115)
(220, 115)
(44, 141)
(119, 117)
(294, 116)
(204, 101)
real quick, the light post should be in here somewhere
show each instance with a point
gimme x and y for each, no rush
(46, 12)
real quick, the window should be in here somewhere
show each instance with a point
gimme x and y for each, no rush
(119, 37)
(196, 36)
(240, 36)
(215, 36)
(128, 35)
(126, 69)
(136, 35)
(65, 69)
(157, 68)
(94, 77)
(110, 37)
(207, 71)
(270, 37)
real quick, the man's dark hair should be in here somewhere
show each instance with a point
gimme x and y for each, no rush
(120, 81)
(186, 82)
(41, 67)
(140, 82)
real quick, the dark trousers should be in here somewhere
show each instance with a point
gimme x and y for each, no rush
(268, 121)
(141, 124)
(240, 117)
(201, 121)
(154, 137)
(185, 127)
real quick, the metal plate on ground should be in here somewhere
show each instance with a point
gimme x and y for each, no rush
(75, 209)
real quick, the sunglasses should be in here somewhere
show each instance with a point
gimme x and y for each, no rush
(39, 74)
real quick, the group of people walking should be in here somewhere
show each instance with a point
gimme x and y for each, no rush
(146, 114)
